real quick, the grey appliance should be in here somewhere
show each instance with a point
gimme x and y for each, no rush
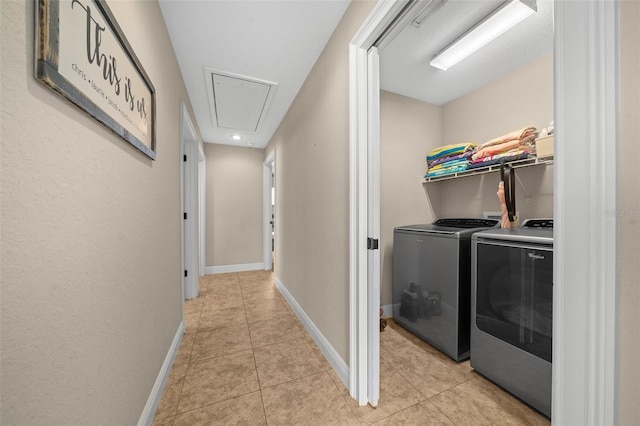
(512, 310)
(431, 281)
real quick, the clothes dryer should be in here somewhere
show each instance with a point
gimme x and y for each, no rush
(512, 310)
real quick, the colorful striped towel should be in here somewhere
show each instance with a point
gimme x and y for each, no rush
(451, 163)
(448, 170)
(448, 150)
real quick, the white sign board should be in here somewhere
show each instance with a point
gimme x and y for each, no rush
(82, 54)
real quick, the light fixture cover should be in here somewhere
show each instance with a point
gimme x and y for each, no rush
(496, 23)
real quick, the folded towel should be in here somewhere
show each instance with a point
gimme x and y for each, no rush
(440, 160)
(521, 149)
(448, 170)
(451, 149)
(492, 162)
(516, 135)
(448, 164)
(491, 150)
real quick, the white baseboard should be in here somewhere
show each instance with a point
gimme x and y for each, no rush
(341, 368)
(243, 267)
(387, 311)
(149, 411)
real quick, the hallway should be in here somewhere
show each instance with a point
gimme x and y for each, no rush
(246, 359)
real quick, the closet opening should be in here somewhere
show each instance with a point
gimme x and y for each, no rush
(585, 86)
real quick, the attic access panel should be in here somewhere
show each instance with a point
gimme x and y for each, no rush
(238, 102)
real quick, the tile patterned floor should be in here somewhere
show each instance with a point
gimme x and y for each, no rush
(246, 359)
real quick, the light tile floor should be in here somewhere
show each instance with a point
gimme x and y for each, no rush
(246, 359)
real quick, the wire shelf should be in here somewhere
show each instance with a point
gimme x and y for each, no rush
(527, 162)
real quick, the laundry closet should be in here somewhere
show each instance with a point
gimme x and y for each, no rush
(505, 87)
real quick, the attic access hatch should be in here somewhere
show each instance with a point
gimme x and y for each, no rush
(238, 102)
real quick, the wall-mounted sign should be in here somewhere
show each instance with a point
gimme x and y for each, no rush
(82, 54)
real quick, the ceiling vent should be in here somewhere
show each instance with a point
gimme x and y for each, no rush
(238, 102)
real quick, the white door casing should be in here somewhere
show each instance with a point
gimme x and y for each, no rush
(363, 361)
(190, 210)
(202, 179)
(585, 309)
(373, 225)
(267, 183)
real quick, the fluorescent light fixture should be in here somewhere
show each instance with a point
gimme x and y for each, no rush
(497, 22)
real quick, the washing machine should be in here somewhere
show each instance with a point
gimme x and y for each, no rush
(432, 281)
(512, 309)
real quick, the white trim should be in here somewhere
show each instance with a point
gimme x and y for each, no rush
(373, 226)
(183, 111)
(242, 267)
(585, 352)
(202, 214)
(358, 230)
(375, 25)
(149, 411)
(189, 201)
(267, 184)
(340, 367)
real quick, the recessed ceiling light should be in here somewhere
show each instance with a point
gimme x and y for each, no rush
(249, 144)
(236, 137)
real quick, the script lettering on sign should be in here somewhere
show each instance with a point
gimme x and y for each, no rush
(95, 68)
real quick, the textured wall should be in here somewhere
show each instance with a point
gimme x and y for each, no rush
(312, 187)
(234, 205)
(520, 98)
(408, 130)
(91, 296)
(517, 99)
(629, 313)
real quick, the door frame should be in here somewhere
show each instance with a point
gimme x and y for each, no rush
(586, 69)
(202, 210)
(268, 168)
(189, 202)
(585, 305)
(361, 328)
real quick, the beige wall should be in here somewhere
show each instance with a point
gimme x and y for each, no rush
(629, 297)
(408, 129)
(233, 205)
(91, 296)
(520, 98)
(312, 187)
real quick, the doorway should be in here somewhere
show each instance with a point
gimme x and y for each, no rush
(269, 210)
(192, 206)
(585, 73)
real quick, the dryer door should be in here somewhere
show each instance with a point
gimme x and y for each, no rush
(514, 299)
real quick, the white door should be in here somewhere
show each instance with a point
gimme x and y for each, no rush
(373, 228)
(190, 197)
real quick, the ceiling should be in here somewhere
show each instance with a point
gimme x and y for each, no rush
(404, 62)
(261, 51)
(273, 41)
